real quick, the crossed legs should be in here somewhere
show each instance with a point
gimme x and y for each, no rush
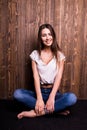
(62, 101)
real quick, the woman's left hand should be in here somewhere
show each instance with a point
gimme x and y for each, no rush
(50, 105)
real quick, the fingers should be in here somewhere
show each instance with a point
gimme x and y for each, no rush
(50, 108)
(38, 110)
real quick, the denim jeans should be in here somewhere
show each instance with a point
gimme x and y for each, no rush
(62, 101)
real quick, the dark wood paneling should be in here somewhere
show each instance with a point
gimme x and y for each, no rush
(19, 22)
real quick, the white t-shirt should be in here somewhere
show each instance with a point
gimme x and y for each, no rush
(47, 72)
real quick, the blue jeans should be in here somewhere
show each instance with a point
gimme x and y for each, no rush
(62, 101)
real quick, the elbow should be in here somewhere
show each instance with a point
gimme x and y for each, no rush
(36, 78)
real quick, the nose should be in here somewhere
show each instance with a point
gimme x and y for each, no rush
(47, 37)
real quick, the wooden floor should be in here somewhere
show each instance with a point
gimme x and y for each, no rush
(9, 109)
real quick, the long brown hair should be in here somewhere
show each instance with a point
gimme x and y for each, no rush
(54, 47)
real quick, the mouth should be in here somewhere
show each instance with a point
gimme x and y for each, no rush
(48, 41)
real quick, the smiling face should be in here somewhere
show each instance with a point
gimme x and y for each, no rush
(46, 37)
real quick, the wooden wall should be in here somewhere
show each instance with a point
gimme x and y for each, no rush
(19, 22)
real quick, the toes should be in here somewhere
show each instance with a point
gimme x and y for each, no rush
(19, 116)
(65, 113)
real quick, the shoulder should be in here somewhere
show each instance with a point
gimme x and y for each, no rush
(34, 55)
(60, 56)
(34, 52)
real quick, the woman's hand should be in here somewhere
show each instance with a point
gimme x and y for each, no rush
(50, 104)
(39, 107)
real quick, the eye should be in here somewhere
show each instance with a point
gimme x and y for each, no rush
(43, 35)
(50, 34)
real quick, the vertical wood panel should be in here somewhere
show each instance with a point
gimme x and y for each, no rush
(83, 86)
(3, 49)
(19, 22)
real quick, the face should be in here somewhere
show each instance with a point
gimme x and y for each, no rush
(46, 37)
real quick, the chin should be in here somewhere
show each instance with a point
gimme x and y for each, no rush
(49, 44)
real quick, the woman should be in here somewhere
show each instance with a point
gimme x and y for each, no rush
(47, 65)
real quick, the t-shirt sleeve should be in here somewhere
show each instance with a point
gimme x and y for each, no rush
(34, 55)
(61, 56)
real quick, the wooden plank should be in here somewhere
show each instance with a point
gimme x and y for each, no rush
(19, 22)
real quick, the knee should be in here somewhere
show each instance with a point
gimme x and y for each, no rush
(17, 93)
(71, 99)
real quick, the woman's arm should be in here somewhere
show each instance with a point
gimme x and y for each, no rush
(56, 85)
(39, 103)
(58, 78)
(36, 80)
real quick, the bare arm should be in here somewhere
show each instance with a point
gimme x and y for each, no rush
(51, 99)
(36, 80)
(39, 103)
(58, 79)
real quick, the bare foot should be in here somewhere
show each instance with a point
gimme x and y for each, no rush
(65, 113)
(30, 113)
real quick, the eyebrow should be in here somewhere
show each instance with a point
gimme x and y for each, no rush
(46, 33)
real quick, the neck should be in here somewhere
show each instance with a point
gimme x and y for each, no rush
(47, 49)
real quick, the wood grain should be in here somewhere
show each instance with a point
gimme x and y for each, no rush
(19, 22)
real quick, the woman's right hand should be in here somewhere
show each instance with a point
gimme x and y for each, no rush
(39, 107)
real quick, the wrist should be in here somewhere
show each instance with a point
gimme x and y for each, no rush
(53, 94)
(39, 98)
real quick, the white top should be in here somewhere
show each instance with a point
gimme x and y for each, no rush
(47, 72)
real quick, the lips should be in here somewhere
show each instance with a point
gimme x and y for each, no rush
(48, 41)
